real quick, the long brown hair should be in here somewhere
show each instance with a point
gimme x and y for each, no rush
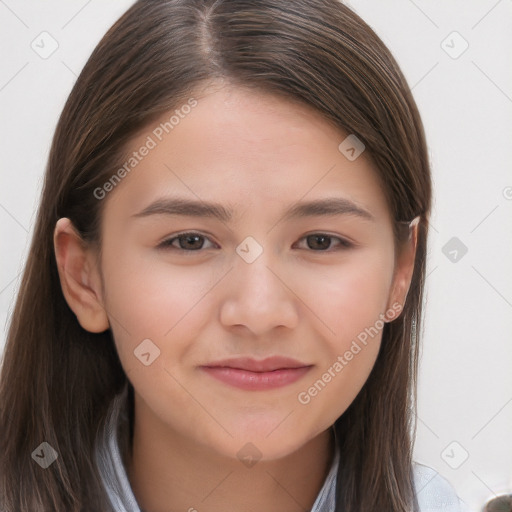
(58, 380)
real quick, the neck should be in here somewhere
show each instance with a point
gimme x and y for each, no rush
(169, 471)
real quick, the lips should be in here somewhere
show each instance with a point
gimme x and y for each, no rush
(251, 374)
(252, 365)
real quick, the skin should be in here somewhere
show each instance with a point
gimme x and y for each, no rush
(257, 154)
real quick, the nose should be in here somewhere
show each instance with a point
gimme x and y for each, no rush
(259, 296)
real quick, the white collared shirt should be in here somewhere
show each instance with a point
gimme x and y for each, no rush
(434, 493)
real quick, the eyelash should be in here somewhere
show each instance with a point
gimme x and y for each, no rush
(167, 244)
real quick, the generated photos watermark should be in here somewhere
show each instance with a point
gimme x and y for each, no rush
(151, 142)
(305, 397)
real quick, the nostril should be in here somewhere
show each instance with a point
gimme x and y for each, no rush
(501, 503)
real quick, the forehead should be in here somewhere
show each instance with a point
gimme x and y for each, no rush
(245, 149)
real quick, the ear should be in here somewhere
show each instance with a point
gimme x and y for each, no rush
(404, 268)
(79, 277)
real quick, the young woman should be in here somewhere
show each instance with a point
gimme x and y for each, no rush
(222, 302)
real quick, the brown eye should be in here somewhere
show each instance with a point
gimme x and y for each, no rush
(321, 242)
(186, 242)
(194, 242)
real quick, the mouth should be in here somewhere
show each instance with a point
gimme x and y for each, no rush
(250, 374)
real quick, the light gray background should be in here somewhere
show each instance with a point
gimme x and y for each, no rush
(465, 388)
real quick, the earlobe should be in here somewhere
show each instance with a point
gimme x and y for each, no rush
(404, 270)
(79, 277)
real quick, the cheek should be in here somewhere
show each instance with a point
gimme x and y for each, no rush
(156, 311)
(153, 300)
(335, 385)
(350, 307)
(348, 297)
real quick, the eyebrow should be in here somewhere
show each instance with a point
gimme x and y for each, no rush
(186, 207)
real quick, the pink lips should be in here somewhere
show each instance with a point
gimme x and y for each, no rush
(250, 374)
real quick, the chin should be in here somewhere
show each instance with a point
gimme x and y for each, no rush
(265, 440)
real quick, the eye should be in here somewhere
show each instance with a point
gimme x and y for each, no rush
(320, 242)
(188, 242)
(192, 241)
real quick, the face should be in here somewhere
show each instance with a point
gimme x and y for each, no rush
(253, 323)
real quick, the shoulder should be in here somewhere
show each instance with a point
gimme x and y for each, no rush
(434, 492)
